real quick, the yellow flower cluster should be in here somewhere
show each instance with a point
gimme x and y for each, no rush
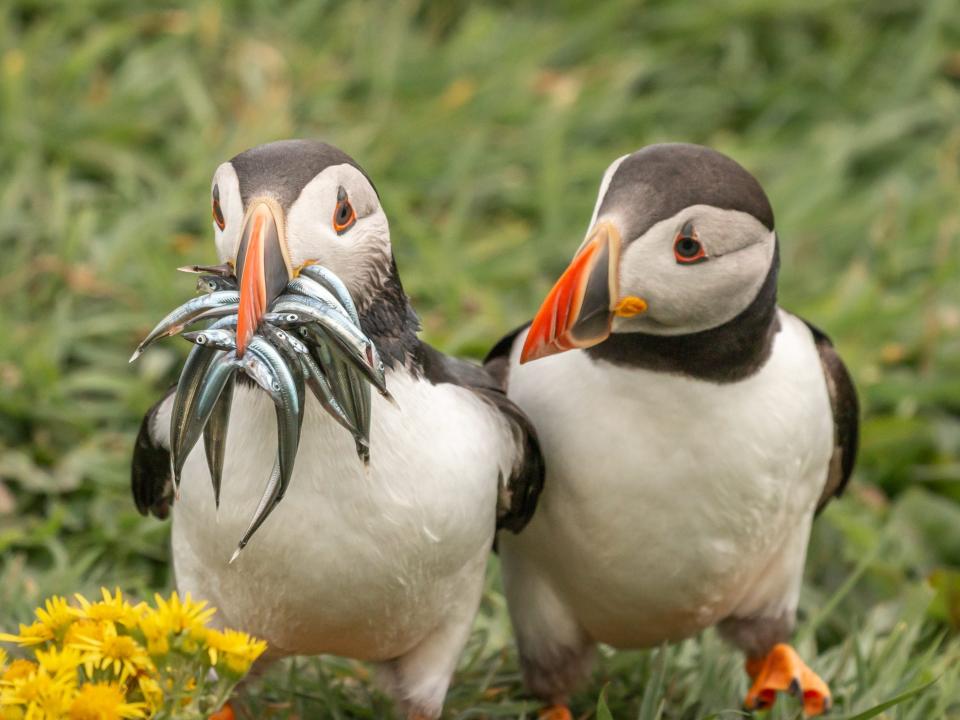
(109, 660)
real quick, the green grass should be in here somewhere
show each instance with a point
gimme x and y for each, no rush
(486, 128)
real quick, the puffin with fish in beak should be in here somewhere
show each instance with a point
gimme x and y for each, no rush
(382, 557)
(691, 430)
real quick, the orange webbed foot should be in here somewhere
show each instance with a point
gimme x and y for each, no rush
(782, 670)
(555, 712)
(224, 713)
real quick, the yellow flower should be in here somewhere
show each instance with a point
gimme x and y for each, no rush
(120, 654)
(56, 614)
(176, 615)
(103, 701)
(52, 619)
(18, 669)
(113, 608)
(39, 690)
(34, 634)
(56, 661)
(156, 635)
(151, 691)
(11, 712)
(236, 649)
(84, 630)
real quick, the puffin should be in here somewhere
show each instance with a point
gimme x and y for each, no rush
(383, 562)
(691, 428)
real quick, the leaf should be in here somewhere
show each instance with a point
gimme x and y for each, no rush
(887, 704)
(652, 705)
(603, 712)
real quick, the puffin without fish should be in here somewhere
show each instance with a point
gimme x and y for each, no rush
(382, 563)
(691, 430)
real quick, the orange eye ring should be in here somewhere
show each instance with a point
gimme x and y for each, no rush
(218, 214)
(344, 216)
(687, 248)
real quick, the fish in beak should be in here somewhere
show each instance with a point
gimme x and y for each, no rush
(579, 311)
(263, 266)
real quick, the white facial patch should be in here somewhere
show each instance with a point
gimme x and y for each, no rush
(604, 186)
(685, 298)
(360, 251)
(231, 205)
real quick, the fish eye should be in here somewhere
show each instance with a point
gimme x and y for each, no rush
(344, 216)
(276, 386)
(217, 212)
(201, 339)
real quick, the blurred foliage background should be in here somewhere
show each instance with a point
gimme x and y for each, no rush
(486, 127)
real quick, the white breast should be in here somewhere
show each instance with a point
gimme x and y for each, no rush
(352, 562)
(670, 503)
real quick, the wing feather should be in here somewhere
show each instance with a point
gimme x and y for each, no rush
(846, 417)
(150, 477)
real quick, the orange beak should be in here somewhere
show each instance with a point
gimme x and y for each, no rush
(262, 266)
(578, 312)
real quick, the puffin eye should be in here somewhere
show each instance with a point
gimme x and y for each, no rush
(687, 248)
(344, 216)
(217, 212)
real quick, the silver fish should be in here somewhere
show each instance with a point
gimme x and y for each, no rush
(215, 437)
(213, 283)
(263, 374)
(218, 339)
(268, 501)
(224, 311)
(215, 379)
(350, 341)
(281, 337)
(335, 285)
(190, 385)
(290, 349)
(360, 390)
(224, 270)
(319, 384)
(352, 391)
(315, 377)
(284, 320)
(312, 289)
(259, 372)
(289, 405)
(176, 320)
(191, 380)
